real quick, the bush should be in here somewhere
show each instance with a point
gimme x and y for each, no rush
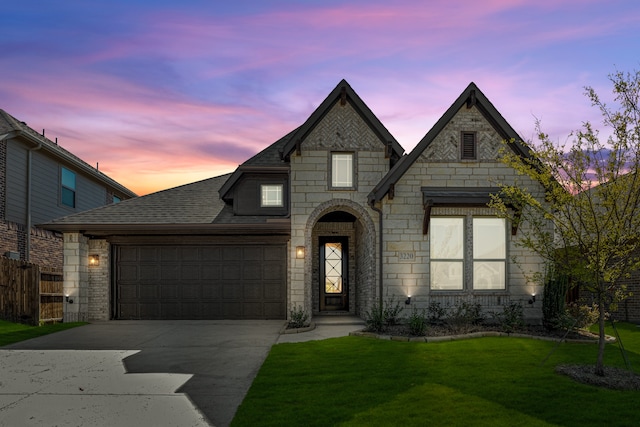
(298, 318)
(417, 322)
(512, 317)
(392, 310)
(379, 318)
(553, 301)
(584, 315)
(437, 313)
(466, 313)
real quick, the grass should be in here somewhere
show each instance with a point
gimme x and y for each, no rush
(15, 332)
(356, 381)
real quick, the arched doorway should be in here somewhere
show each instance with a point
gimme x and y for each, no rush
(342, 275)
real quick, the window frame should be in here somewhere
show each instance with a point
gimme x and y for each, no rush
(263, 187)
(330, 175)
(469, 259)
(64, 186)
(446, 260)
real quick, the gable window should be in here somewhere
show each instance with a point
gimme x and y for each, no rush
(468, 146)
(116, 199)
(271, 195)
(342, 170)
(485, 257)
(67, 187)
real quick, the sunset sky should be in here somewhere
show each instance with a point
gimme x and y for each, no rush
(162, 93)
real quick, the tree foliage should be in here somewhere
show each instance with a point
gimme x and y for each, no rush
(592, 197)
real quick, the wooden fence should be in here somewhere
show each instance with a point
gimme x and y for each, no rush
(30, 294)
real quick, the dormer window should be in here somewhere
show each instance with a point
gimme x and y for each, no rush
(271, 196)
(468, 146)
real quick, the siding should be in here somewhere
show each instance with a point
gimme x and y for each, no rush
(46, 188)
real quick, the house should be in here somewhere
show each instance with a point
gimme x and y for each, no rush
(331, 218)
(40, 181)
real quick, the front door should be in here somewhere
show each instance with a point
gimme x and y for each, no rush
(334, 292)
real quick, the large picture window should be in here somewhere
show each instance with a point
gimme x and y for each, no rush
(342, 170)
(450, 257)
(67, 187)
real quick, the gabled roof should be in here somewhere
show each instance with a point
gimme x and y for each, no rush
(471, 96)
(267, 159)
(191, 207)
(342, 93)
(10, 127)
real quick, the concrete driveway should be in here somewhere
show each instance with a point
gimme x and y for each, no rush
(221, 357)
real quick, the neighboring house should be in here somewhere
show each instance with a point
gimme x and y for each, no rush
(331, 218)
(40, 181)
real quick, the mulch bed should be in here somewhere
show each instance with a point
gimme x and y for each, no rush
(614, 378)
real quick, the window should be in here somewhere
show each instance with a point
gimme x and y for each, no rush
(116, 199)
(271, 195)
(468, 146)
(67, 187)
(489, 253)
(342, 170)
(449, 255)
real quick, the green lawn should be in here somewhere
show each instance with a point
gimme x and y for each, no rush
(14, 332)
(356, 381)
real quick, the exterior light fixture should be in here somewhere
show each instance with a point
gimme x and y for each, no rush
(300, 252)
(408, 300)
(69, 300)
(532, 299)
(94, 260)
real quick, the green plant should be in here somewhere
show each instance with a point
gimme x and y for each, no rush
(436, 312)
(374, 318)
(553, 301)
(298, 318)
(584, 315)
(391, 311)
(417, 322)
(466, 313)
(512, 317)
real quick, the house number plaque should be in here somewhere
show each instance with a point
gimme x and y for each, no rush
(406, 256)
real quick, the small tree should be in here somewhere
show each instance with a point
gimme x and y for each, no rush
(592, 197)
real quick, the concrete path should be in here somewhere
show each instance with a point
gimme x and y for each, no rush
(195, 373)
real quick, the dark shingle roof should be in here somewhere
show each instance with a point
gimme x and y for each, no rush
(195, 203)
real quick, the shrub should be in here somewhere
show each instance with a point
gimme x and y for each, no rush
(584, 315)
(417, 322)
(391, 311)
(463, 316)
(512, 317)
(374, 318)
(298, 318)
(553, 301)
(437, 312)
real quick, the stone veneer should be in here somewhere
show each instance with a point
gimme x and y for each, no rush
(76, 253)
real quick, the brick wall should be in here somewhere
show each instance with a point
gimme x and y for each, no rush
(3, 179)
(46, 246)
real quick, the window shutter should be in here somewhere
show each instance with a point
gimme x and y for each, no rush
(468, 145)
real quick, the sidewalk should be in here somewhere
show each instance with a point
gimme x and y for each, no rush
(325, 327)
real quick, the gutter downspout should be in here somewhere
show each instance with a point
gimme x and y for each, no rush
(380, 265)
(28, 225)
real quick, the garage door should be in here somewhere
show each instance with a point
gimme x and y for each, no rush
(201, 282)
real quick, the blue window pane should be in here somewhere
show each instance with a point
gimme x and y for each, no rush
(68, 179)
(68, 197)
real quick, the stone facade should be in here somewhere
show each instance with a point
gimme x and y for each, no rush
(76, 275)
(99, 295)
(342, 129)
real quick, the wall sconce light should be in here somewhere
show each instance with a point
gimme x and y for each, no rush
(408, 300)
(300, 252)
(94, 260)
(532, 299)
(69, 300)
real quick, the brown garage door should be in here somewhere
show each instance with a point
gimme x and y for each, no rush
(201, 282)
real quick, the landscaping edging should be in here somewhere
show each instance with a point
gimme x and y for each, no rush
(286, 330)
(470, 336)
